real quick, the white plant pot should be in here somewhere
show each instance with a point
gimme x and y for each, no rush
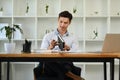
(9, 47)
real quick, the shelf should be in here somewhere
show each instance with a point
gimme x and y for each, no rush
(115, 25)
(96, 7)
(24, 39)
(114, 7)
(5, 16)
(96, 16)
(48, 16)
(94, 40)
(7, 7)
(23, 16)
(21, 10)
(53, 7)
(115, 16)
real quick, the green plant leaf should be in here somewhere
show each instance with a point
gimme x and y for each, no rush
(10, 30)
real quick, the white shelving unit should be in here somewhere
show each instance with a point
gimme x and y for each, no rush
(102, 16)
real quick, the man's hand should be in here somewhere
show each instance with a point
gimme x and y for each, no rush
(66, 48)
(52, 44)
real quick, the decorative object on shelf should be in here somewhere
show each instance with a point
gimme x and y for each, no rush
(27, 9)
(9, 32)
(118, 13)
(74, 10)
(47, 31)
(95, 34)
(1, 11)
(46, 8)
(96, 12)
(27, 46)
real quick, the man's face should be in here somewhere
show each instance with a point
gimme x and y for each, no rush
(63, 23)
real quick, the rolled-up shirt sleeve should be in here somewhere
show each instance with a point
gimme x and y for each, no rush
(74, 45)
(45, 43)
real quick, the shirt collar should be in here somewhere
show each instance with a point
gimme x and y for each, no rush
(57, 33)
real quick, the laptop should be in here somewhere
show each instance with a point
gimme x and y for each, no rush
(111, 43)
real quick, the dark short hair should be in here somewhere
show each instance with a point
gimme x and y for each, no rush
(66, 14)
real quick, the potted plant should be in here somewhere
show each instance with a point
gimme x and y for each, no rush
(95, 34)
(46, 8)
(9, 32)
(74, 11)
(1, 11)
(27, 9)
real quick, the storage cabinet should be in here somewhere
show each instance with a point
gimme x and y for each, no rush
(39, 17)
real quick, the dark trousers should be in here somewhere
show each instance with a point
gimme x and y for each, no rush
(55, 70)
(61, 68)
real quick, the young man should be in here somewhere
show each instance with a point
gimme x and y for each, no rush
(50, 42)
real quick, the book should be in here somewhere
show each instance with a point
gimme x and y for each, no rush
(61, 43)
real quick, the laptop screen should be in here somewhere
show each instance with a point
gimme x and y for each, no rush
(111, 43)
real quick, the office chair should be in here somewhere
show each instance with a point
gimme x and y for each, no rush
(43, 74)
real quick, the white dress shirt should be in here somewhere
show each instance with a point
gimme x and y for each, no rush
(70, 40)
